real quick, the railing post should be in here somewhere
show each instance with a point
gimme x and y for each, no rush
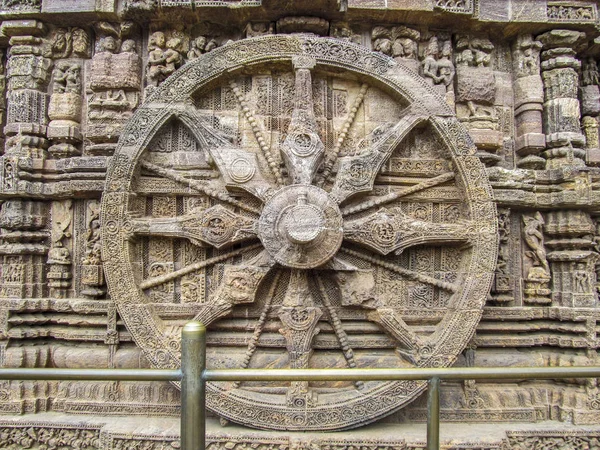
(193, 363)
(433, 414)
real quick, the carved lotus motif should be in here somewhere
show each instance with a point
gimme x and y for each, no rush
(281, 220)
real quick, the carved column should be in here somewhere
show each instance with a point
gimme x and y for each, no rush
(590, 109)
(529, 98)
(561, 99)
(64, 130)
(28, 76)
(572, 258)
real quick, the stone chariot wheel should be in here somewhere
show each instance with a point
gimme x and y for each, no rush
(315, 205)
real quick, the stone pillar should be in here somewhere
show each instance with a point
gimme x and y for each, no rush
(572, 258)
(564, 139)
(590, 109)
(69, 46)
(27, 74)
(529, 98)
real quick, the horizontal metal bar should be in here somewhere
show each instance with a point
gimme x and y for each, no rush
(91, 374)
(450, 373)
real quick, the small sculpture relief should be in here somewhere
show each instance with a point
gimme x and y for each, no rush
(143, 5)
(526, 56)
(59, 255)
(164, 57)
(115, 79)
(476, 82)
(503, 280)
(21, 5)
(538, 275)
(590, 91)
(534, 238)
(67, 78)
(399, 43)
(455, 6)
(70, 43)
(200, 46)
(343, 32)
(475, 95)
(438, 68)
(254, 29)
(571, 13)
(92, 275)
(64, 110)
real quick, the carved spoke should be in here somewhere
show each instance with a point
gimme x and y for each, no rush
(357, 173)
(409, 342)
(411, 275)
(390, 230)
(303, 149)
(216, 226)
(332, 158)
(258, 329)
(238, 167)
(299, 317)
(398, 194)
(239, 286)
(198, 186)
(341, 335)
(258, 134)
(157, 281)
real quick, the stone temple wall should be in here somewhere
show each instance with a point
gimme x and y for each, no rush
(350, 183)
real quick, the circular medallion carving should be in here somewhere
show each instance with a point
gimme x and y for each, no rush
(320, 244)
(241, 170)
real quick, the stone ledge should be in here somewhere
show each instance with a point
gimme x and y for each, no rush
(163, 433)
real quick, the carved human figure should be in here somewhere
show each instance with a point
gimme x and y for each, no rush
(254, 29)
(61, 43)
(107, 44)
(67, 78)
(430, 63)
(345, 33)
(383, 45)
(92, 236)
(156, 58)
(81, 42)
(173, 58)
(197, 47)
(589, 75)
(446, 70)
(581, 278)
(534, 238)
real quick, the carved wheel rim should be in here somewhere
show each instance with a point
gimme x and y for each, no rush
(318, 236)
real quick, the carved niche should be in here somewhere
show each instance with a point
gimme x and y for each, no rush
(315, 205)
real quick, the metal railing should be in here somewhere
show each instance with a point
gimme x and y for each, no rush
(193, 376)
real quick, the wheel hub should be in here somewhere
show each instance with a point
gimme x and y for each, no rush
(301, 227)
